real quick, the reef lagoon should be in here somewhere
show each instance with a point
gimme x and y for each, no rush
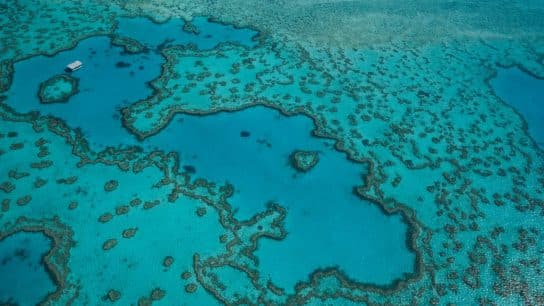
(525, 93)
(251, 153)
(21, 259)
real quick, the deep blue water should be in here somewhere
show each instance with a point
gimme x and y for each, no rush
(327, 224)
(525, 93)
(23, 277)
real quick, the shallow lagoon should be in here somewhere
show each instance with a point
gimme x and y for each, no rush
(327, 224)
(24, 280)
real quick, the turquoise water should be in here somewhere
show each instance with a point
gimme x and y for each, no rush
(525, 94)
(325, 220)
(319, 203)
(104, 86)
(24, 279)
(439, 203)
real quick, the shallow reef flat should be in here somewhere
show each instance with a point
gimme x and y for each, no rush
(427, 119)
(56, 182)
(362, 23)
(167, 177)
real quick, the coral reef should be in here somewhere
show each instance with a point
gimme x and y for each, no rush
(58, 89)
(303, 161)
(416, 106)
(128, 44)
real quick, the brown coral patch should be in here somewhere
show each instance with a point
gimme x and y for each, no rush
(109, 244)
(111, 185)
(191, 288)
(129, 232)
(105, 217)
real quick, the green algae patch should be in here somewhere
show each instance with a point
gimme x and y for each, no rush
(304, 161)
(58, 89)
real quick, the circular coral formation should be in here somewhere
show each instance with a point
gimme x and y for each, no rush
(72, 205)
(111, 185)
(168, 261)
(113, 295)
(190, 288)
(157, 294)
(129, 232)
(201, 211)
(135, 202)
(303, 161)
(58, 89)
(186, 275)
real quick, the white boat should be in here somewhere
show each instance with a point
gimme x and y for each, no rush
(73, 66)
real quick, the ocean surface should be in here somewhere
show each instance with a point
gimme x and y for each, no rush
(165, 170)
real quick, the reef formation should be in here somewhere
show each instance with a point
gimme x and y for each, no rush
(303, 161)
(442, 149)
(58, 89)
